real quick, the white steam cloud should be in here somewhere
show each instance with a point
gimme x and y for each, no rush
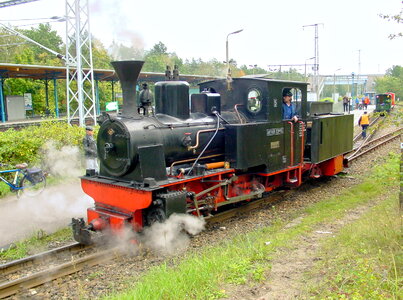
(171, 236)
(127, 44)
(66, 162)
(54, 207)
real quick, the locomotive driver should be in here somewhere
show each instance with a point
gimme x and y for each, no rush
(289, 112)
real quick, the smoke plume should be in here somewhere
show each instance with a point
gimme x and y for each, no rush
(52, 209)
(171, 236)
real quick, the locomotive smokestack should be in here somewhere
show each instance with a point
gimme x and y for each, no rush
(128, 72)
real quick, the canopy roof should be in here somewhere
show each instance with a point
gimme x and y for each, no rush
(53, 72)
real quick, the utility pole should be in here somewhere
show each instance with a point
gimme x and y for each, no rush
(359, 70)
(316, 62)
(79, 68)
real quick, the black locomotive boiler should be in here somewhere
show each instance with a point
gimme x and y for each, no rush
(224, 145)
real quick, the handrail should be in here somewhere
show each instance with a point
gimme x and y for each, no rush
(237, 112)
(292, 144)
(302, 141)
(198, 137)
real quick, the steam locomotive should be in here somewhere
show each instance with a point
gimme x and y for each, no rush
(194, 155)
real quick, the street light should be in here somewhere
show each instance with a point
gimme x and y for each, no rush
(334, 83)
(226, 48)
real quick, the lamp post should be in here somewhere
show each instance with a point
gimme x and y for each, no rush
(305, 66)
(352, 85)
(334, 83)
(226, 52)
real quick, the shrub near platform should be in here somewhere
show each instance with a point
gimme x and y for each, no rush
(17, 146)
(26, 145)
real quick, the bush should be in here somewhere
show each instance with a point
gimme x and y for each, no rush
(328, 99)
(17, 146)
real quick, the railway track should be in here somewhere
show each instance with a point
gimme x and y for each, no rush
(32, 271)
(370, 145)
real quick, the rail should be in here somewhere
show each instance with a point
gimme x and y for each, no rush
(18, 264)
(389, 137)
(39, 278)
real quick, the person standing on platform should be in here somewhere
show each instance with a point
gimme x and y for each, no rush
(357, 102)
(366, 103)
(364, 123)
(345, 103)
(90, 149)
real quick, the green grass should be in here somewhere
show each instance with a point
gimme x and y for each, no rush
(246, 259)
(38, 242)
(364, 261)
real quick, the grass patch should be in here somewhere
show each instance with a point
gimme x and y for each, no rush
(364, 261)
(246, 259)
(38, 242)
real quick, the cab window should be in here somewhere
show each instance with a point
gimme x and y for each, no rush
(254, 104)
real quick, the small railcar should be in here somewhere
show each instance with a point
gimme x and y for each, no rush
(384, 102)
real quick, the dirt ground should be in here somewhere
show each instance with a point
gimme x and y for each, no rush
(287, 279)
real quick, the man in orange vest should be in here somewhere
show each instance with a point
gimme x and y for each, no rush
(366, 102)
(364, 123)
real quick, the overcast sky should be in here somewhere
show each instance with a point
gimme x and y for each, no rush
(350, 32)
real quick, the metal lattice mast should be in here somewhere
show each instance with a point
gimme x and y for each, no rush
(316, 87)
(80, 72)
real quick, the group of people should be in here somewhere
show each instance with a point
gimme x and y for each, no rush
(363, 103)
(359, 104)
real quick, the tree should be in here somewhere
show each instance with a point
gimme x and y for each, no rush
(158, 58)
(47, 37)
(10, 46)
(100, 57)
(395, 18)
(158, 49)
(391, 82)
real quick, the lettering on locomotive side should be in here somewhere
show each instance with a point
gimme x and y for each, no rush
(275, 145)
(274, 131)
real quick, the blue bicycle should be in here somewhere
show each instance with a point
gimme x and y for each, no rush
(27, 181)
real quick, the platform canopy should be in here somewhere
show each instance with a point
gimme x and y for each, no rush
(53, 72)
